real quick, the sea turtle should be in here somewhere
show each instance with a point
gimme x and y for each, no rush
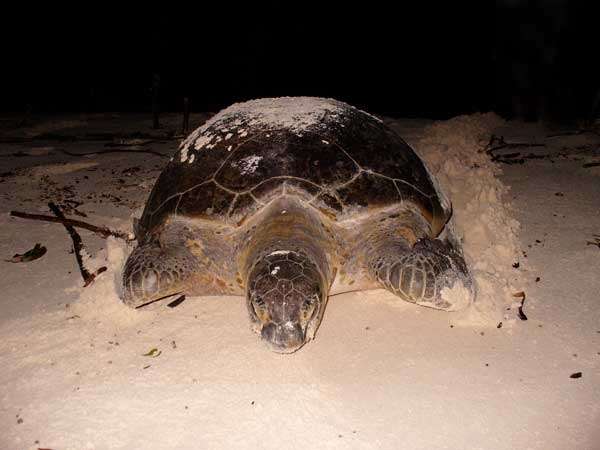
(289, 200)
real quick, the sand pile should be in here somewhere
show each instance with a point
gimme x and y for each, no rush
(483, 219)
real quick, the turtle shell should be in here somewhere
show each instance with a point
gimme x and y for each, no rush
(337, 158)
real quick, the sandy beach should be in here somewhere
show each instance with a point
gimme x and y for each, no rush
(80, 370)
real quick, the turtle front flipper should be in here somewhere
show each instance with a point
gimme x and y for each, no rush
(153, 271)
(431, 273)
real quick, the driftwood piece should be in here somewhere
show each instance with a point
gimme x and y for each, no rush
(94, 275)
(124, 143)
(178, 301)
(88, 278)
(521, 295)
(114, 150)
(101, 231)
(596, 240)
(573, 133)
(88, 137)
(498, 143)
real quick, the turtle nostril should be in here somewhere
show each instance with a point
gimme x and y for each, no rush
(286, 337)
(268, 332)
(257, 308)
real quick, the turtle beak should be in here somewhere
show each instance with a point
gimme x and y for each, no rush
(283, 338)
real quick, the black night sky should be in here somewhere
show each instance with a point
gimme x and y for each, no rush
(531, 60)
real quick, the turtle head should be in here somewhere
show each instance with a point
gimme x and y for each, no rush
(286, 299)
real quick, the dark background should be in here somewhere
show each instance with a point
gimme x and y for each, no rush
(532, 60)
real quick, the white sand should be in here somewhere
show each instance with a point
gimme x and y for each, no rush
(483, 219)
(380, 374)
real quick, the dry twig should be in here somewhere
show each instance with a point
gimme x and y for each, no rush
(596, 240)
(116, 150)
(88, 278)
(101, 231)
(521, 295)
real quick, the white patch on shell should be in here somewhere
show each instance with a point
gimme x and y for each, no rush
(202, 141)
(325, 142)
(296, 114)
(229, 148)
(228, 136)
(275, 270)
(279, 252)
(248, 164)
(192, 157)
(184, 154)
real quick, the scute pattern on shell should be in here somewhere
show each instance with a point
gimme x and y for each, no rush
(338, 158)
(290, 282)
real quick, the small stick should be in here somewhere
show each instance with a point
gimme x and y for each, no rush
(509, 155)
(501, 143)
(77, 242)
(128, 144)
(521, 295)
(596, 241)
(94, 275)
(102, 231)
(167, 136)
(116, 150)
(176, 302)
(509, 161)
(572, 133)
(88, 278)
(514, 145)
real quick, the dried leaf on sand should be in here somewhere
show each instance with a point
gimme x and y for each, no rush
(30, 255)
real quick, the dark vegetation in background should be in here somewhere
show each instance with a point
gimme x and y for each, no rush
(533, 60)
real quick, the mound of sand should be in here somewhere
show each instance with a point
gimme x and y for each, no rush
(483, 219)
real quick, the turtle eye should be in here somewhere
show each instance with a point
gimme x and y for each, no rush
(309, 308)
(258, 307)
